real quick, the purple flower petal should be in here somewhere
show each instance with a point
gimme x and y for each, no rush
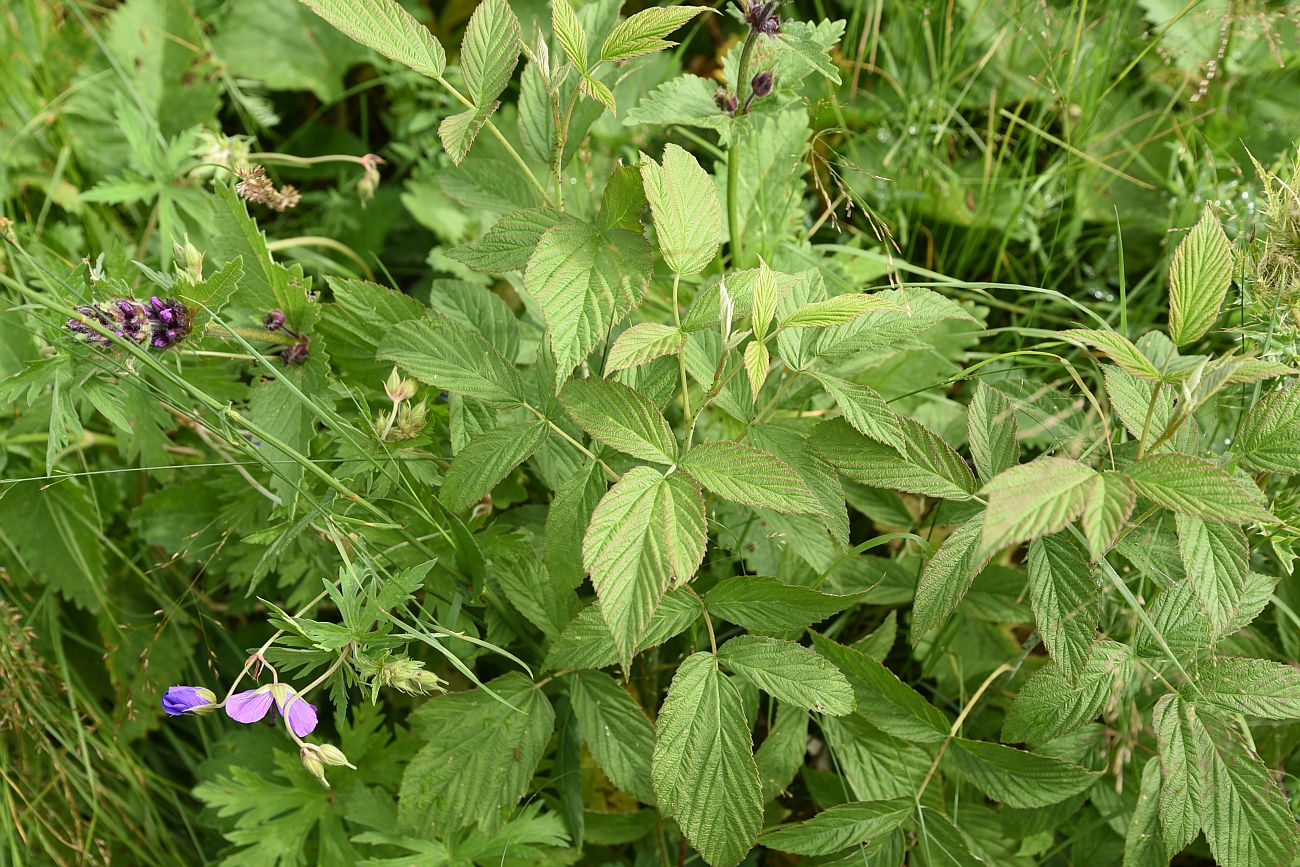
(249, 706)
(300, 713)
(180, 700)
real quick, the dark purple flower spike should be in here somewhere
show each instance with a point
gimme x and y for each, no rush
(761, 17)
(171, 322)
(181, 700)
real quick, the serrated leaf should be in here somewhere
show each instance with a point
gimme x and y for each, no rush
(896, 708)
(1018, 778)
(621, 418)
(480, 755)
(767, 605)
(458, 131)
(1270, 438)
(587, 643)
(569, 33)
(783, 751)
(684, 205)
(686, 100)
(643, 342)
(838, 827)
(387, 28)
(1049, 706)
(490, 50)
(644, 32)
(567, 520)
(1033, 500)
(703, 768)
(209, 296)
(744, 474)
(790, 672)
(1253, 687)
(834, 311)
(757, 360)
(647, 534)
(596, 89)
(1131, 397)
(1144, 845)
(910, 312)
(1199, 276)
(1177, 615)
(940, 843)
(1118, 349)
(586, 280)
(509, 244)
(947, 577)
(1215, 558)
(486, 460)
(926, 466)
(1108, 501)
(766, 293)
(439, 352)
(1066, 601)
(865, 409)
(1196, 487)
(991, 432)
(616, 730)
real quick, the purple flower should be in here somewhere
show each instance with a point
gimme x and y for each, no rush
(170, 320)
(296, 354)
(761, 17)
(762, 84)
(725, 101)
(98, 315)
(275, 320)
(252, 705)
(180, 700)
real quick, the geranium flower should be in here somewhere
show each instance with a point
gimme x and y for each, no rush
(180, 700)
(252, 705)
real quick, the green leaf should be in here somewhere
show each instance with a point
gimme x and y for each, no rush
(509, 244)
(684, 205)
(567, 520)
(486, 460)
(884, 699)
(387, 28)
(1247, 819)
(1215, 557)
(206, 298)
(767, 605)
(647, 534)
(838, 827)
(1018, 778)
(568, 31)
(834, 311)
(1033, 500)
(757, 362)
(55, 527)
(1270, 438)
(1199, 276)
(1118, 349)
(1049, 705)
(644, 32)
(940, 843)
(1108, 501)
(744, 474)
(947, 578)
(598, 90)
(686, 100)
(490, 51)
(623, 201)
(910, 313)
(643, 342)
(545, 599)
(1177, 615)
(991, 432)
(586, 280)
(616, 731)
(1253, 687)
(587, 643)
(1198, 488)
(1182, 801)
(458, 131)
(1144, 845)
(875, 765)
(620, 418)
(926, 465)
(479, 757)
(790, 672)
(783, 751)
(866, 410)
(1066, 601)
(439, 352)
(703, 768)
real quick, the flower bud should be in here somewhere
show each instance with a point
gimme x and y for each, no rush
(762, 84)
(296, 354)
(332, 755)
(725, 101)
(312, 763)
(370, 178)
(411, 419)
(188, 700)
(408, 676)
(189, 259)
(761, 17)
(399, 389)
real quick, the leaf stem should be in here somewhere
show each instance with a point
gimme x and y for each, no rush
(681, 354)
(505, 143)
(613, 476)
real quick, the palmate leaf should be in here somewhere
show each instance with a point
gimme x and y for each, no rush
(646, 535)
(703, 769)
(684, 204)
(387, 28)
(750, 476)
(838, 827)
(789, 672)
(487, 459)
(1270, 438)
(1197, 488)
(616, 730)
(586, 280)
(644, 32)
(620, 418)
(1018, 778)
(1033, 500)
(1066, 601)
(1199, 276)
(479, 756)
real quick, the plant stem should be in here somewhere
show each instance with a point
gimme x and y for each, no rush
(505, 143)
(613, 476)
(681, 355)
(733, 152)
